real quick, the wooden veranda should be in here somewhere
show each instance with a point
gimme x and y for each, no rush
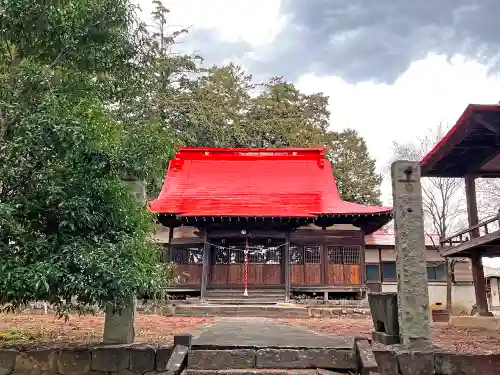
(471, 150)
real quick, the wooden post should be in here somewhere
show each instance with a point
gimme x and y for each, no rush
(168, 257)
(476, 259)
(287, 267)
(206, 265)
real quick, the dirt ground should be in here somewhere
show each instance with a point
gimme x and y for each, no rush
(463, 340)
(36, 328)
(40, 330)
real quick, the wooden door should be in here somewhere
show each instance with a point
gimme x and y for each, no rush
(343, 267)
(227, 264)
(264, 262)
(305, 266)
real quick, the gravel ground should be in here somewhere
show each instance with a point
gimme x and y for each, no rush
(463, 340)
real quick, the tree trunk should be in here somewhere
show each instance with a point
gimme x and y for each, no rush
(119, 326)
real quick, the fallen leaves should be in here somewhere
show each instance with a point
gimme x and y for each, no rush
(462, 340)
(38, 328)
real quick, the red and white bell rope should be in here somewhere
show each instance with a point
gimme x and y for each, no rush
(245, 293)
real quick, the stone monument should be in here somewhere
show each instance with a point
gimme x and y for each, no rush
(119, 325)
(413, 295)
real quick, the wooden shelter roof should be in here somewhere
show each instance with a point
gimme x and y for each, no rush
(472, 146)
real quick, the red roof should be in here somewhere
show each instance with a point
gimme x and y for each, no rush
(253, 182)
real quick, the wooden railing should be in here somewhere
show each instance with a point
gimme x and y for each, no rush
(481, 229)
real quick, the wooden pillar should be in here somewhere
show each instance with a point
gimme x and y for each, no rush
(206, 266)
(168, 256)
(476, 259)
(286, 259)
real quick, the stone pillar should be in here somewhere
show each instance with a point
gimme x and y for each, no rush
(286, 260)
(476, 259)
(411, 263)
(119, 325)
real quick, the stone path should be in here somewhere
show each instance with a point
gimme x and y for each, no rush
(263, 333)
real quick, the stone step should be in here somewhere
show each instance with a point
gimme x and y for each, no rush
(255, 371)
(250, 296)
(243, 301)
(341, 359)
(269, 311)
(250, 292)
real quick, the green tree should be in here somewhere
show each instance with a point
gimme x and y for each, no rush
(353, 167)
(70, 232)
(216, 113)
(282, 116)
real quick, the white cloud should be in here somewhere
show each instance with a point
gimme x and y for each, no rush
(431, 91)
(256, 22)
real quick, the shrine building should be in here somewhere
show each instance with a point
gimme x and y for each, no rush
(271, 221)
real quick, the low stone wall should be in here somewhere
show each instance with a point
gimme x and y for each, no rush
(122, 359)
(176, 308)
(394, 360)
(270, 311)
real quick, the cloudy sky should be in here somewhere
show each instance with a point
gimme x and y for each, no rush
(392, 68)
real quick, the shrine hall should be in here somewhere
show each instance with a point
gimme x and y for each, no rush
(263, 219)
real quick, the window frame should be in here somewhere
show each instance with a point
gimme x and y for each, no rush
(368, 281)
(384, 279)
(430, 266)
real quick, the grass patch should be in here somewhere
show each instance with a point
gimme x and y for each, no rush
(14, 336)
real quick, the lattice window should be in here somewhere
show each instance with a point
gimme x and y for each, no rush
(312, 254)
(305, 254)
(186, 255)
(351, 255)
(236, 256)
(273, 255)
(220, 255)
(296, 255)
(335, 255)
(344, 255)
(256, 257)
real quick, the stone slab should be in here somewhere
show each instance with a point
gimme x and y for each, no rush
(163, 354)
(386, 359)
(254, 371)
(142, 358)
(366, 357)
(416, 362)
(453, 364)
(7, 361)
(110, 358)
(221, 359)
(491, 323)
(385, 338)
(177, 360)
(338, 359)
(73, 361)
(264, 333)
